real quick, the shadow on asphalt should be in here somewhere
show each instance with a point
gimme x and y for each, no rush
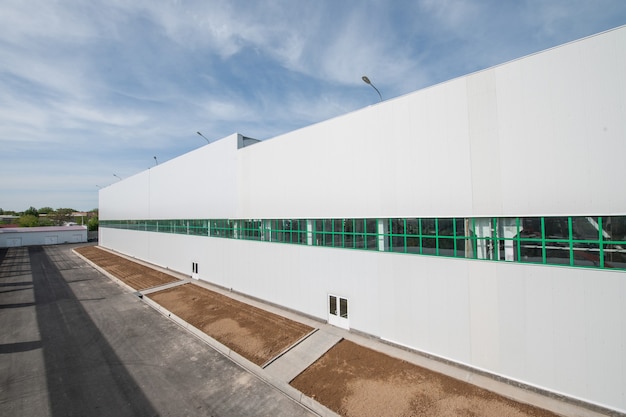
(84, 375)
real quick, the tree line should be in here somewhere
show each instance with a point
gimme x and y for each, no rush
(47, 216)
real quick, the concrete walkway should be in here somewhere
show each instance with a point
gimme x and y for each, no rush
(302, 355)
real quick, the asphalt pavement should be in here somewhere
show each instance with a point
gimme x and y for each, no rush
(74, 343)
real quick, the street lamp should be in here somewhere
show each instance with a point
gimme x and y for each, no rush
(367, 81)
(208, 141)
(155, 160)
(117, 176)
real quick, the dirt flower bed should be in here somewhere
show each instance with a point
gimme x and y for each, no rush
(355, 381)
(255, 334)
(133, 274)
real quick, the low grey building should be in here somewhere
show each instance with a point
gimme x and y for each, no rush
(48, 235)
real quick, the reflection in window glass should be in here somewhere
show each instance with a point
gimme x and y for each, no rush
(338, 240)
(371, 227)
(396, 226)
(397, 244)
(429, 245)
(615, 256)
(530, 228)
(556, 228)
(585, 228)
(429, 227)
(445, 227)
(460, 248)
(615, 228)
(446, 246)
(413, 244)
(586, 254)
(557, 253)
(343, 308)
(412, 227)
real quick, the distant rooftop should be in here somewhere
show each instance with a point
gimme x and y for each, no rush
(41, 229)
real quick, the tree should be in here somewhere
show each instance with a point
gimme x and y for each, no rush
(44, 221)
(62, 215)
(93, 223)
(46, 210)
(32, 211)
(28, 220)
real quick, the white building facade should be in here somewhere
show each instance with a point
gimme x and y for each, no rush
(481, 220)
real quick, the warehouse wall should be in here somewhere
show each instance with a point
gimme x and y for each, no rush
(543, 135)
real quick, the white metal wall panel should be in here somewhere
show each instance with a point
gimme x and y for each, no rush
(202, 183)
(127, 199)
(562, 117)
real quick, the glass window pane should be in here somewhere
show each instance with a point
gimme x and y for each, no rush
(529, 250)
(530, 227)
(412, 227)
(557, 253)
(372, 242)
(556, 228)
(343, 308)
(396, 226)
(413, 244)
(445, 227)
(446, 246)
(460, 227)
(332, 305)
(397, 244)
(429, 245)
(428, 227)
(587, 254)
(615, 256)
(585, 228)
(348, 240)
(614, 228)
(460, 248)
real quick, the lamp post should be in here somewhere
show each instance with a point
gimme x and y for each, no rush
(207, 141)
(155, 160)
(367, 81)
(117, 176)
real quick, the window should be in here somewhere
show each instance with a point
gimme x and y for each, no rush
(578, 241)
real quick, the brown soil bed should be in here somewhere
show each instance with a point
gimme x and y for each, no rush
(133, 274)
(255, 334)
(356, 381)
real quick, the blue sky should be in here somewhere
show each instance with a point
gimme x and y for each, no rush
(92, 88)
